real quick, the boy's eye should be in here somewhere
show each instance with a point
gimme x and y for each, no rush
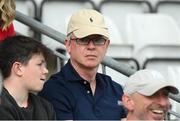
(42, 64)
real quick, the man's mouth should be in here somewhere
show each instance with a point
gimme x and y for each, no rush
(158, 111)
(90, 56)
(158, 114)
(42, 79)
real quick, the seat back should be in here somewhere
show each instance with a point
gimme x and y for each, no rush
(169, 7)
(153, 35)
(117, 10)
(29, 8)
(151, 29)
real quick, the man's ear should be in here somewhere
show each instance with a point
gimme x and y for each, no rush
(67, 44)
(128, 102)
(17, 68)
(107, 44)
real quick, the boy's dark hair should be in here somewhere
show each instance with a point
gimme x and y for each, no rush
(19, 49)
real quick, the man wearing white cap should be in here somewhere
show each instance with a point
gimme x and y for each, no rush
(146, 96)
(78, 92)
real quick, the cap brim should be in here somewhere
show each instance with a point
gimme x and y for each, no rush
(90, 30)
(154, 88)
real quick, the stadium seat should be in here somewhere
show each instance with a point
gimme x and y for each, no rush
(153, 35)
(117, 10)
(169, 7)
(29, 8)
(117, 48)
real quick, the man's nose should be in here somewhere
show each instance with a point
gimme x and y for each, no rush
(91, 43)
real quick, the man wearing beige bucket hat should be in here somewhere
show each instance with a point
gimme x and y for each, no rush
(78, 91)
(146, 95)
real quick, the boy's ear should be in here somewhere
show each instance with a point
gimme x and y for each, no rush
(17, 68)
(128, 102)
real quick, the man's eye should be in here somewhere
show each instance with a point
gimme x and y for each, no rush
(83, 39)
(100, 39)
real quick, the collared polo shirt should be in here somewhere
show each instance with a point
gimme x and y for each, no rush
(72, 97)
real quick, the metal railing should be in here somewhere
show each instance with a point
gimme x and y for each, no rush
(107, 61)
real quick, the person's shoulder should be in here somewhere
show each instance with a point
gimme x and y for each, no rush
(6, 98)
(8, 110)
(43, 104)
(40, 102)
(37, 99)
(55, 76)
(104, 76)
(108, 79)
(6, 113)
(8, 106)
(60, 79)
(53, 86)
(54, 82)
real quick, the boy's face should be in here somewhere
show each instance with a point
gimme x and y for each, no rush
(34, 73)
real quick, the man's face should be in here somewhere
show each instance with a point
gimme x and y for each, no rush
(154, 107)
(87, 55)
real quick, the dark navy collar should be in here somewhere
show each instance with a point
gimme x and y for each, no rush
(71, 74)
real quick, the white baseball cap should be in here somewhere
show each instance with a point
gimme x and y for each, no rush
(148, 82)
(86, 22)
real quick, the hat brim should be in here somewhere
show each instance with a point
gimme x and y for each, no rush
(154, 88)
(90, 30)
